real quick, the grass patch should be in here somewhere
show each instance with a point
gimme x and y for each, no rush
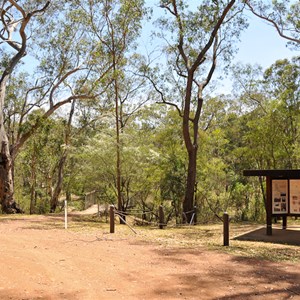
(211, 238)
(206, 236)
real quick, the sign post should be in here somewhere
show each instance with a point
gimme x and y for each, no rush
(225, 229)
(269, 206)
(282, 194)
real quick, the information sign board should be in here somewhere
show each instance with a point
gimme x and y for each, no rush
(280, 196)
(294, 196)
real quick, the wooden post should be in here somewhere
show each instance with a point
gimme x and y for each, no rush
(226, 229)
(66, 214)
(269, 205)
(161, 217)
(284, 222)
(112, 218)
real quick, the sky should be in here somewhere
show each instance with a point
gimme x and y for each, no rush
(260, 44)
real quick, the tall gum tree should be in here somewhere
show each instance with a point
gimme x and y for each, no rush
(195, 41)
(14, 18)
(63, 73)
(114, 27)
(123, 22)
(196, 38)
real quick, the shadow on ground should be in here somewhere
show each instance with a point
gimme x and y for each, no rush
(279, 236)
(230, 278)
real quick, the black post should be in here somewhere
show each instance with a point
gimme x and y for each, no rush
(284, 222)
(161, 217)
(269, 205)
(226, 229)
(112, 218)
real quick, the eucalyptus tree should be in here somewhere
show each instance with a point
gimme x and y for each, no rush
(63, 72)
(197, 37)
(271, 110)
(123, 27)
(14, 22)
(37, 173)
(114, 27)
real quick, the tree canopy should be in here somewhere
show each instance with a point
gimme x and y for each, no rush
(83, 108)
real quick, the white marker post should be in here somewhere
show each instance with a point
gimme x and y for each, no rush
(66, 214)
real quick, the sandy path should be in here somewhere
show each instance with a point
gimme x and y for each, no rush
(63, 264)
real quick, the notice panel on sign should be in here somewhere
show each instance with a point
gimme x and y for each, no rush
(295, 196)
(279, 196)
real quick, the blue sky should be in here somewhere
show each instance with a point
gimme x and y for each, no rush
(261, 44)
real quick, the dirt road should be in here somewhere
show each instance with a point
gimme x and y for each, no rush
(53, 263)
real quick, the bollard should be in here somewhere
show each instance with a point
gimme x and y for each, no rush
(66, 214)
(161, 217)
(112, 218)
(226, 229)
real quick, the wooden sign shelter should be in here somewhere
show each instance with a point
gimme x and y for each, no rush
(283, 194)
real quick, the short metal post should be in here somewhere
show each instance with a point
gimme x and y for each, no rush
(226, 229)
(112, 218)
(161, 217)
(66, 214)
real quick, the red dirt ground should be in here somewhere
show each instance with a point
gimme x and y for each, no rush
(37, 263)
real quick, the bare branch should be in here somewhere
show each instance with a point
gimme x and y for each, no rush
(273, 23)
(181, 35)
(59, 82)
(163, 100)
(25, 111)
(213, 65)
(214, 32)
(48, 113)
(18, 7)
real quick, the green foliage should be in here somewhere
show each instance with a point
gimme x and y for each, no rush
(253, 134)
(257, 127)
(37, 165)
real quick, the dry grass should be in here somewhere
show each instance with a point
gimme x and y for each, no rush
(207, 236)
(211, 237)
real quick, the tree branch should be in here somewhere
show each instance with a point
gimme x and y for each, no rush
(59, 82)
(47, 114)
(181, 36)
(279, 31)
(203, 52)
